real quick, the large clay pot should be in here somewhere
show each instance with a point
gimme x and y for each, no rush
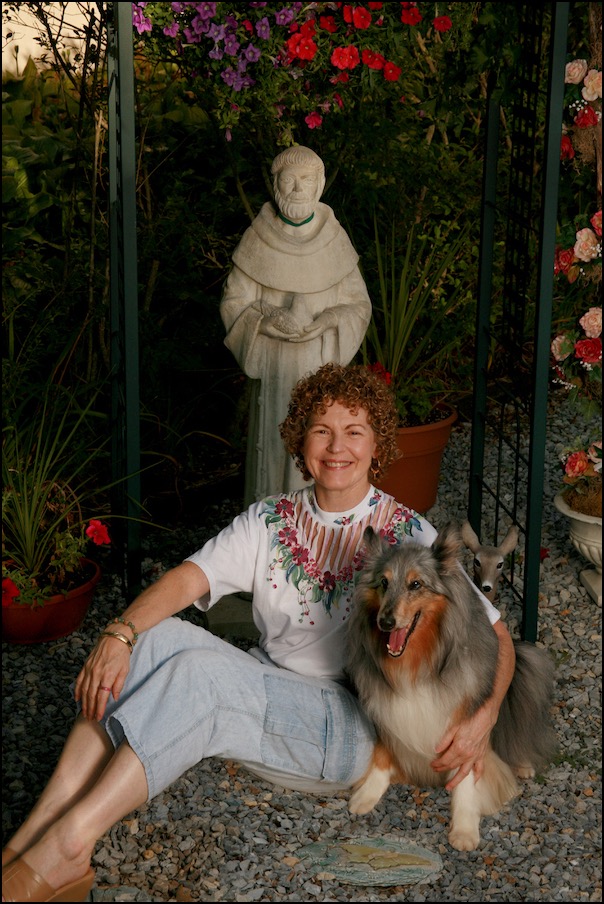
(59, 616)
(586, 537)
(413, 478)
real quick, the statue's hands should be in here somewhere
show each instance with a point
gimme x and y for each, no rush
(325, 321)
(278, 323)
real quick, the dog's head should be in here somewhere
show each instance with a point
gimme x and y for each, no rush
(405, 589)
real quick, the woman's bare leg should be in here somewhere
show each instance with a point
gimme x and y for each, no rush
(85, 755)
(62, 853)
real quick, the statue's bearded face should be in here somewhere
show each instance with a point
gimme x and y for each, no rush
(297, 191)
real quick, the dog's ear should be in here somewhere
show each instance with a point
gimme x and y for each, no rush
(447, 545)
(372, 540)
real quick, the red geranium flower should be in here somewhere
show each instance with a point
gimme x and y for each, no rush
(98, 533)
(345, 57)
(442, 23)
(361, 17)
(410, 15)
(10, 591)
(328, 23)
(392, 73)
(372, 59)
(314, 120)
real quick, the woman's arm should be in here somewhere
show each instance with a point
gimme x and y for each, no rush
(464, 745)
(109, 662)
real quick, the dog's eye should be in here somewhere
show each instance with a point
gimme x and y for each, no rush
(414, 585)
(384, 583)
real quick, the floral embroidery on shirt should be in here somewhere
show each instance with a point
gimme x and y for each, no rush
(304, 558)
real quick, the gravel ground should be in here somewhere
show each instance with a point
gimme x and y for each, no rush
(219, 834)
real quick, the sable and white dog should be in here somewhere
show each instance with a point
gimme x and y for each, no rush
(422, 654)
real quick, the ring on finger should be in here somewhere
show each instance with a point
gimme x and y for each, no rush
(103, 688)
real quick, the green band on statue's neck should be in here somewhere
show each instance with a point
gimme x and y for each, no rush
(291, 223)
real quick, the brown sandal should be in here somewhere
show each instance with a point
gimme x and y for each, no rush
(8, 855)
(21, 883)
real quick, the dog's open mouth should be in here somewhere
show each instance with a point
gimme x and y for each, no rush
(399, 638)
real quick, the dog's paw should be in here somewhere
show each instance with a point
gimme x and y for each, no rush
(362, 801)
(464, 839)
(369, 790)
(524, 771)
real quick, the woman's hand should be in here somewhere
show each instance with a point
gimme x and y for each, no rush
(103, 673)
(463, 746)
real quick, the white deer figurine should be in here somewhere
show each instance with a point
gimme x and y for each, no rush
(488, 560)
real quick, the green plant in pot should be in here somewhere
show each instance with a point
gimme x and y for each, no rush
(50, 465)
(420, 318)
(419, 288)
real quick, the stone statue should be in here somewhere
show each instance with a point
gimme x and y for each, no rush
(294, 300)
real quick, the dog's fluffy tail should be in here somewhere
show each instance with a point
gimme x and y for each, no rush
(523, 736)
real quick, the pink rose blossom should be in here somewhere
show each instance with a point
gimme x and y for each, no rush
(562, 347)
(596, 222)
(592, 323)
(586, 246)
(592, 85)
(575, 72)
(594, 453)
(576, 464)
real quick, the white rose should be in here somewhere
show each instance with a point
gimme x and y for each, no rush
(592, 323)
(592, 86)
(575, 72)
(586, 246)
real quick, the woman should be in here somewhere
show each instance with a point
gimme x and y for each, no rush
(158, 694)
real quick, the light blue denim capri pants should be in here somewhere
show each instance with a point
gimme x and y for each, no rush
(191, 695)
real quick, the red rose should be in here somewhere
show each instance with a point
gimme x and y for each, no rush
(586, 118)
(563, 260)
(589, 351)
(567, 151)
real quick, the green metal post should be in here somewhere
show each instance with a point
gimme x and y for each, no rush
(485, 277)
(545, 288)
(124, 291)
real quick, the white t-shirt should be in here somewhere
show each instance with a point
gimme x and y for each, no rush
(299, 563)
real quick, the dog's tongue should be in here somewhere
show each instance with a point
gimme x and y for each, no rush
(397, 639)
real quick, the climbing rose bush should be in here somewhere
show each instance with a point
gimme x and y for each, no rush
(292, 62)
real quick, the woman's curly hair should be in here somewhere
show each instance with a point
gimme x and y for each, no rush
(354, 386)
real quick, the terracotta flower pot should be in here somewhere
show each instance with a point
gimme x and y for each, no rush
(413, 478)
(59, 616)
(586, 537)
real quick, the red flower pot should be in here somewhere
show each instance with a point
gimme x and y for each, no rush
(59, 616)
(413, 478)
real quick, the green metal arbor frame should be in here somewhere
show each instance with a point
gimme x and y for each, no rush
(524, 196)
(503, 409)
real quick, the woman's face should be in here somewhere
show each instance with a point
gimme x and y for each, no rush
(338, 448)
